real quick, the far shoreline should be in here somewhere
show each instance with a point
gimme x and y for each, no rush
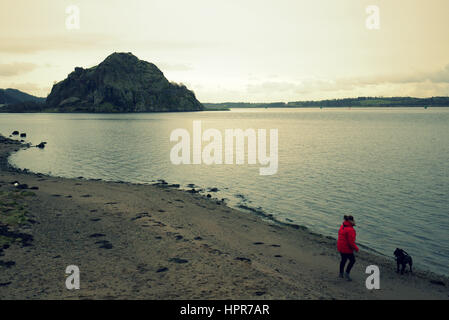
(236, 108)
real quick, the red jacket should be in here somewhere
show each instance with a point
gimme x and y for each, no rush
(346, 238)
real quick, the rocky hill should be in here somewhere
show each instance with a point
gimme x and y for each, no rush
(121, 83)
(12, 96)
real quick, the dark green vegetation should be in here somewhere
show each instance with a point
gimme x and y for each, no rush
(11, 96)
(337, 103)
(20, 100)
(13, 216)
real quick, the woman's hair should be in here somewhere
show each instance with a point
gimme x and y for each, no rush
(348, 218)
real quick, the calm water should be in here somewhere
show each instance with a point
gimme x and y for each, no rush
(388, 168)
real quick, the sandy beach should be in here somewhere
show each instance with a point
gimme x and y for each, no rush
(135, 241)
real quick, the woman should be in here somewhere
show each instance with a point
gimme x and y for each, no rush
(346, 246)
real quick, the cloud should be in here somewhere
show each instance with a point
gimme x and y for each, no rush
(441, 76)
(438, 76)
(292, 87)
(420, 81)
(173, 67)
(83, 41)
(16, 68)
(70, 42)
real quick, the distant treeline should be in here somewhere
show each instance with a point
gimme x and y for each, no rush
(361, 102)
(341, 103)
(27, 106)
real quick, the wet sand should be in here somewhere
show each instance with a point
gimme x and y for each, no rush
(135, 241)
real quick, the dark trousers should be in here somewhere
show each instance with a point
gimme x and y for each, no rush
(345, 257)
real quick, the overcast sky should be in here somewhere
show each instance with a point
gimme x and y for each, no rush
(237, 50)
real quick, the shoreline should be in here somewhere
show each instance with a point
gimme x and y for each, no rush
(137, 241)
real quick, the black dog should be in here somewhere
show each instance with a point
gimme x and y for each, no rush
(402, 258)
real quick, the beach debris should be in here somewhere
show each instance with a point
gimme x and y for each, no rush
(23, 135)
(7, 264)
(438, 282)
(15, 133)
(209, 196)
(163, 269)
(213, 189)
(257, 243)
(19, 185)
(198, 238)
(260, 293)
(41, 145)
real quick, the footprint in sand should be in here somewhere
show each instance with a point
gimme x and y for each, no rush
(141, 215)
(243, 259)
(97, 235)
(104, 244)
(178, 260)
